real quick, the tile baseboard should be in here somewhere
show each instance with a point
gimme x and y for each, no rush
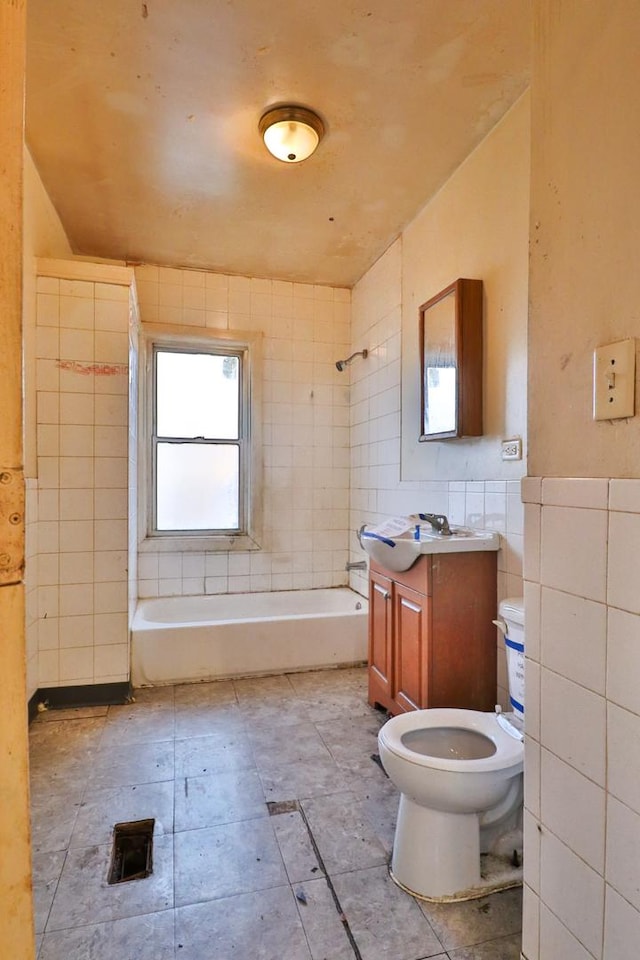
(82, 695)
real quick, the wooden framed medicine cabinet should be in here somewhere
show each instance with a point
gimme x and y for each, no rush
(451, 362)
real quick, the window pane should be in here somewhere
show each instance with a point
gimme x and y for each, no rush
(197, 486)
(197, 395)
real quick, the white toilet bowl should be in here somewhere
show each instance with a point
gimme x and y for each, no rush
(459, 773)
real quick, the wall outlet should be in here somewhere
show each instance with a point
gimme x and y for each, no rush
(512, 449)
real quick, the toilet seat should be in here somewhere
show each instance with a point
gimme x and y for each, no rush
(508, 755)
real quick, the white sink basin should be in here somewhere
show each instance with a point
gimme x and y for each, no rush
(402, 552)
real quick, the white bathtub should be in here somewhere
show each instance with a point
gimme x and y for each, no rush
(176, 639)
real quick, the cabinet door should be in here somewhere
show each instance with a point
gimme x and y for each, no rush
(411, 634)
(380, 640)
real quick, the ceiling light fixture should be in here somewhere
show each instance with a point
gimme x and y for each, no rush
(291, 133)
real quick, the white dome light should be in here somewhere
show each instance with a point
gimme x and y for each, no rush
(291, 133)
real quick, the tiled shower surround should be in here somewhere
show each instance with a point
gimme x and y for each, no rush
(305, 429)
(79, 515)
(582, 766)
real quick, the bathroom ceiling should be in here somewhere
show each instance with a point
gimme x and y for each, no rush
(142, 120)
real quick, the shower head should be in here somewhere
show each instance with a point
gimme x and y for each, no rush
(342, 364)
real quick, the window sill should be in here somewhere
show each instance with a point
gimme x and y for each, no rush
(178, 544)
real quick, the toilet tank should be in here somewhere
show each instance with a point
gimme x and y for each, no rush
(511, 622)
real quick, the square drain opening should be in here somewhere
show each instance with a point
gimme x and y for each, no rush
(276, 807)
(132, 851)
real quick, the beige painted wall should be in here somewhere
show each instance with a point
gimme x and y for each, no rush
(585, 214)
(581, 876)
(44, 236)
(476, 226)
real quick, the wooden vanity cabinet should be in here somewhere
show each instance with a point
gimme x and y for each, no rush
(432, 642)
(380, 637)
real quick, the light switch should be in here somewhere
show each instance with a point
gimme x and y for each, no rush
(614, 374)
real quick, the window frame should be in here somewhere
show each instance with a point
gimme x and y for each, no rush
(245, 345)
(240, 441)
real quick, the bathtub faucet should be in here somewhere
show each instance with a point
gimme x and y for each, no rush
(438, 521)
(358, 565)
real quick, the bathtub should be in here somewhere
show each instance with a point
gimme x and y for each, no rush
(178, 639)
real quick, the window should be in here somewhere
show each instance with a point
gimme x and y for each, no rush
(200, 453)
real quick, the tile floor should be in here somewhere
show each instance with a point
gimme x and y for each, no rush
(238, 872)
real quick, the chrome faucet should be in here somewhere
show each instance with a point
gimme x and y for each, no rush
(357, 565)
(438, 521)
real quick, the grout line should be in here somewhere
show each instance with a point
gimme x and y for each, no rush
(332, 890)
(46, 923)
(173, 833)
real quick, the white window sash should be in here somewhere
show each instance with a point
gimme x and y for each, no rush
(188, 339)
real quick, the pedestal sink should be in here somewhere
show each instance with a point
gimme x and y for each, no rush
(400, 553)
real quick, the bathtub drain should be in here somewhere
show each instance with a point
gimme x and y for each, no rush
(132, 851)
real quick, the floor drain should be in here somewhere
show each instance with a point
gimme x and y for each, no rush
(282, 806)
(132, 853)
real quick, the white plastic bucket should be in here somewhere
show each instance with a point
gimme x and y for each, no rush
(511, 623)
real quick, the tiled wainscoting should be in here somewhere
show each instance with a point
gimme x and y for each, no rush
(582, 767)
(82, 349)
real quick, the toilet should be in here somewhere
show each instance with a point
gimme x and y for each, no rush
(460, 778)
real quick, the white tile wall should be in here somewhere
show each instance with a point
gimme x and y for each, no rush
(622, 928)
(575, 890)
(624, 561)
(623, 738)
(82, 385)
(623, 851)
(377, 489)
(580, 741)
(305, 429)
(560, 785)
(573, 551)
(583, 796)
(532, 851)
(623, 660)
(530, 923)
(575, 638)
(556, 941)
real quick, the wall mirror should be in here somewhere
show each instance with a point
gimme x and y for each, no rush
(451, 362)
